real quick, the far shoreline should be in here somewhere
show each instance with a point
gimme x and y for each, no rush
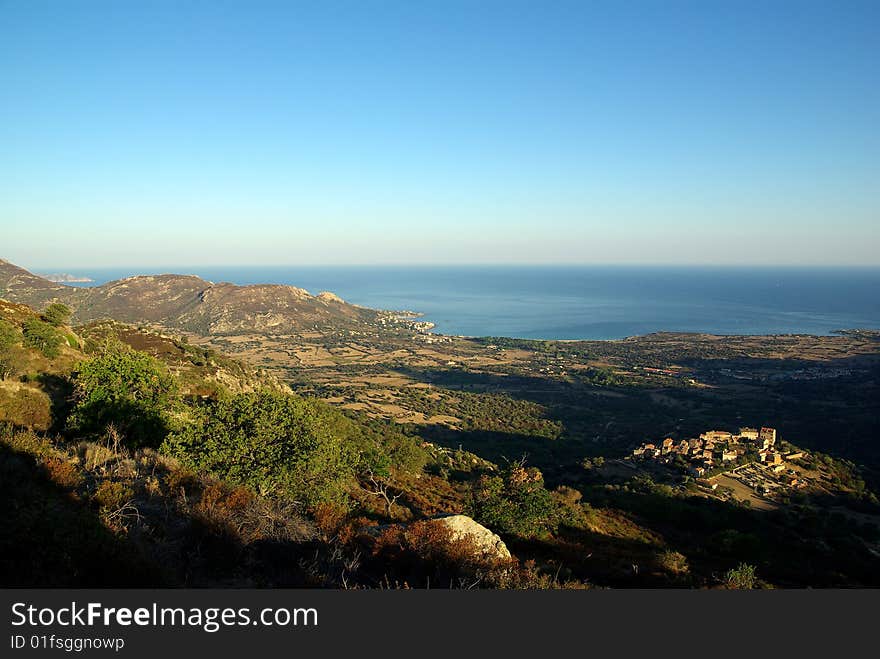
(429, 324)
(841, 332)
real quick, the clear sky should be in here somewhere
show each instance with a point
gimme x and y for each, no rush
(256, 132)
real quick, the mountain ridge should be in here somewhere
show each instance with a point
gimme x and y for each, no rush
(189, 302)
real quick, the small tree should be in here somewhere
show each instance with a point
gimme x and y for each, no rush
(42, 336)
(9, 349)
(57, 314)
(10, 361)
(9, 336)
(515, 502)
(128, 389)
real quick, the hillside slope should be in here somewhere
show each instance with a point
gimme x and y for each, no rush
(34, 378)
(126, 446)
(189, 303)
(19, 285)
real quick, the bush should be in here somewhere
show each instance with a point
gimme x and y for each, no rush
(12, 361)
(27, 441)
(224, 509)
(425, 554)
(269, 441)
(381, 445)
(111, 496)
(10, 352)
(49, 538)
(63, 474)
(128, 389)
(329, 517)
(9, 335)
(673, 562)
(57, 314)
(26, 407)
(184, 482)
(515, 502)
(570, 510)
(742, 577)
(41, 336)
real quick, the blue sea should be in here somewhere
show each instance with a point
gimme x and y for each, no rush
(586, 302)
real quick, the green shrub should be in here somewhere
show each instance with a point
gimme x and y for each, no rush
(57, 314)
(111, 495)
(11, 353)
(270, 441)
(515, 502)
(41, 336)
(125, 388)
(742, 577)
(380, 444)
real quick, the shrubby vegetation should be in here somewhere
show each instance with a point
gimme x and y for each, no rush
(10, 351)
(271, 441)
(600, 376)
(515, 502)
(51, 538)
(425, 553)
(742, 577)
(57, 314)
(277, 442)
(485, 412)
(129, 390)
(42, 336)
(9, 335)
(25, 407)
(673, 562)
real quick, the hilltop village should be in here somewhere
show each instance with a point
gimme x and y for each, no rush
(704, 454)
(749, 461)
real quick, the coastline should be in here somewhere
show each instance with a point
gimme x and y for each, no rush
(583, 303)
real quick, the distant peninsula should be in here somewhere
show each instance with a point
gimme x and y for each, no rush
(67, 278)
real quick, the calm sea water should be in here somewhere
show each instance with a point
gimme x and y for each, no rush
(588, 302)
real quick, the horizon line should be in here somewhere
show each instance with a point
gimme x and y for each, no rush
(57, 268)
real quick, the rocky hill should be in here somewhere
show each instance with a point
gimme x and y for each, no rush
(189, 303)
(19, 285)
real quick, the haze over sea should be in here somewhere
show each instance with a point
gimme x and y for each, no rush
(586, 302)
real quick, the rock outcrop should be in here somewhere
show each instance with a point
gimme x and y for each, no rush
(487, 543)
(327, 296)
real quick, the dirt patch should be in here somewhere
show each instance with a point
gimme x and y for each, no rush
(742, 492)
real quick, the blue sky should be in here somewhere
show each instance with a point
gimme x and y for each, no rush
(442, 132)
